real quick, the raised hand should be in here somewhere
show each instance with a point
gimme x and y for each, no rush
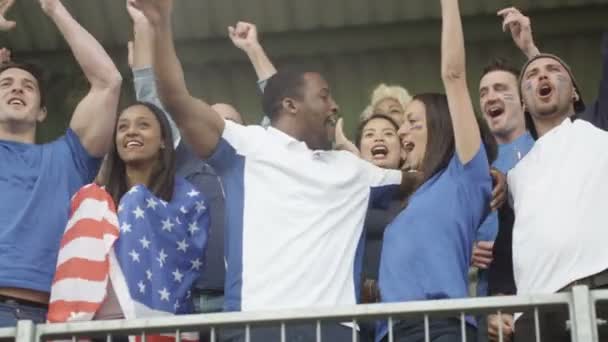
(136, 15)
(342, 143)
(521, 30)
(5, 55)
(6, 25)
(156, 11)
(49, 6)
(243, 35)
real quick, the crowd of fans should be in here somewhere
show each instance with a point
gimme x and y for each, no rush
(294, 214)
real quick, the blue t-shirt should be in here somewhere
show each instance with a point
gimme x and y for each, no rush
(426, 251)
(36, 185)
(508, 156)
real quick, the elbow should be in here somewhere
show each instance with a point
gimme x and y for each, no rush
(453, 73)
(111, 82)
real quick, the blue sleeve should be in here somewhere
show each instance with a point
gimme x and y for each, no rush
(223, 157)
(145, 91)
(597, 113)
(86, 165)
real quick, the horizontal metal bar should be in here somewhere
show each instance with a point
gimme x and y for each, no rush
(8, 332)
(599, 295)
(345, 313)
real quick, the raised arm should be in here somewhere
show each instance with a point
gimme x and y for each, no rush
(140, 61)
(245, 37)
(466, 131)
(521, 30)
(95, 116)
(200, 125)
(5, 24)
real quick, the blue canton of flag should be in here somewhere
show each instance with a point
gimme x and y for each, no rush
(161, 246)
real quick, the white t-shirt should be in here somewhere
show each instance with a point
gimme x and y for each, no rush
(294, 218)
(560, 199)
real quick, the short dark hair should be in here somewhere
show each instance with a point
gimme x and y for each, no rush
(35, 71)
(362, 124)
(285, 83)
(499, 64)
(113, 174)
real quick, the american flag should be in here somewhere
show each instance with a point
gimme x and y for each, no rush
(152, 265)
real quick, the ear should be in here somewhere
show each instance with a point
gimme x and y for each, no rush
(289, 105)
(41, 114)
(575, 95)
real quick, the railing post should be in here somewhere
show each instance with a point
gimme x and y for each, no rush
(26, 331)
(582, 315)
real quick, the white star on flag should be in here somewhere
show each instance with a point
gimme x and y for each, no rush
(176, 305)
(193, 193)
(182, 245)
(177, 276)
(144, 243)
(164, 294)
(162, 257)
(142, 287)
(167, 225)
(138, 213)
(183, 210)
(192, 228)
(200, 206)
(133, 190)
(196, 264)
(134, 255)
(149, 274)
(120, 207)
(164, 203)
(125, 228)
(151, 203)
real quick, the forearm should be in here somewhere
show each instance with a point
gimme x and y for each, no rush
(95, 63)
(452, 43)
(264, 69)
(170, 80)
(145, 91)
(531, 51)
(142, 45)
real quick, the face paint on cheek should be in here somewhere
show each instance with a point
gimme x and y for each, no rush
(510, 97)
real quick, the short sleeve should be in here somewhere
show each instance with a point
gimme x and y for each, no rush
(236, 141)
(384, 183)
(476, 170)
(86, 165)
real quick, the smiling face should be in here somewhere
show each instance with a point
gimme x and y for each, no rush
(547, 89)
(380, 144)
(414, 134)
(499, 100)
(138, 136)
(20, 98)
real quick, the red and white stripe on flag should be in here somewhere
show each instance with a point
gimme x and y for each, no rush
(80, 283)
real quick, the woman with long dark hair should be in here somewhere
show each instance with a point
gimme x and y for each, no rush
(157, 254)
(427, 248)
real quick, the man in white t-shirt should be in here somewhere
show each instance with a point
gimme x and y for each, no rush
(559, 193)
(295, 208)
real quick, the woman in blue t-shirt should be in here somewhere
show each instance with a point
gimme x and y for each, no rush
(427, 248)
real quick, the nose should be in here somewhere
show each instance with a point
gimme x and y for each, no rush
(403, 130)
(17, 89)
(334, 108)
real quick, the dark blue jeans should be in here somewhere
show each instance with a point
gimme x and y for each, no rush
(441, 330)
(11, 312)
(333, 332)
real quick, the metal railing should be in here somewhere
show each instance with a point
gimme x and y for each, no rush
(580, 303)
